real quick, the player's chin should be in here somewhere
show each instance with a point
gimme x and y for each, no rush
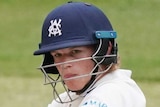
(73, 85)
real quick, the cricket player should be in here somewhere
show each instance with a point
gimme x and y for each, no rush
(80, 56)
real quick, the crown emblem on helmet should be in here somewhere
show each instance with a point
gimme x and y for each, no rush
(55, 28)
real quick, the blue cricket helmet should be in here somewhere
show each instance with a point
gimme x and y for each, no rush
(72, 24)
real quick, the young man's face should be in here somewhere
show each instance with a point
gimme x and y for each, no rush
(74, 69)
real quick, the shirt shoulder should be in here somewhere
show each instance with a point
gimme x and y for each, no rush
(102, 97)
(115, 93)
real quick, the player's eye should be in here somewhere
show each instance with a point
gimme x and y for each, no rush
(56, 55)
(73, 52)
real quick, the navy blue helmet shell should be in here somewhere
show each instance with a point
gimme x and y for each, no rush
(72, 24)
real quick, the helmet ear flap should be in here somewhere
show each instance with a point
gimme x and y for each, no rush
(106, 37)
(103, 51)
(112, 59)
(48, 59)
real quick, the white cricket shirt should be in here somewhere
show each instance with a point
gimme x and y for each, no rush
(116, 89)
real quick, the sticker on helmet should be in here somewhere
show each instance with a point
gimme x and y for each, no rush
(106, 34)
(55, 28)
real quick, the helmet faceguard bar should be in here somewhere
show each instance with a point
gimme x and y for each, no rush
(54, 82)
(42, 68)
(76, 60)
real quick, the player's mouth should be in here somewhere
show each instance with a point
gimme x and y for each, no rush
(69, 76)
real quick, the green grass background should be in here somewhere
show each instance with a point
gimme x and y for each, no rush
(137, 23)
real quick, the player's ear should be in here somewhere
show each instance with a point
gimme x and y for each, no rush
(109, 48)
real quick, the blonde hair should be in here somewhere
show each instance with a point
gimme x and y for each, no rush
(115, 65)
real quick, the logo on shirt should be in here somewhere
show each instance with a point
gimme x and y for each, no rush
(94, 103)
(55, 28)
